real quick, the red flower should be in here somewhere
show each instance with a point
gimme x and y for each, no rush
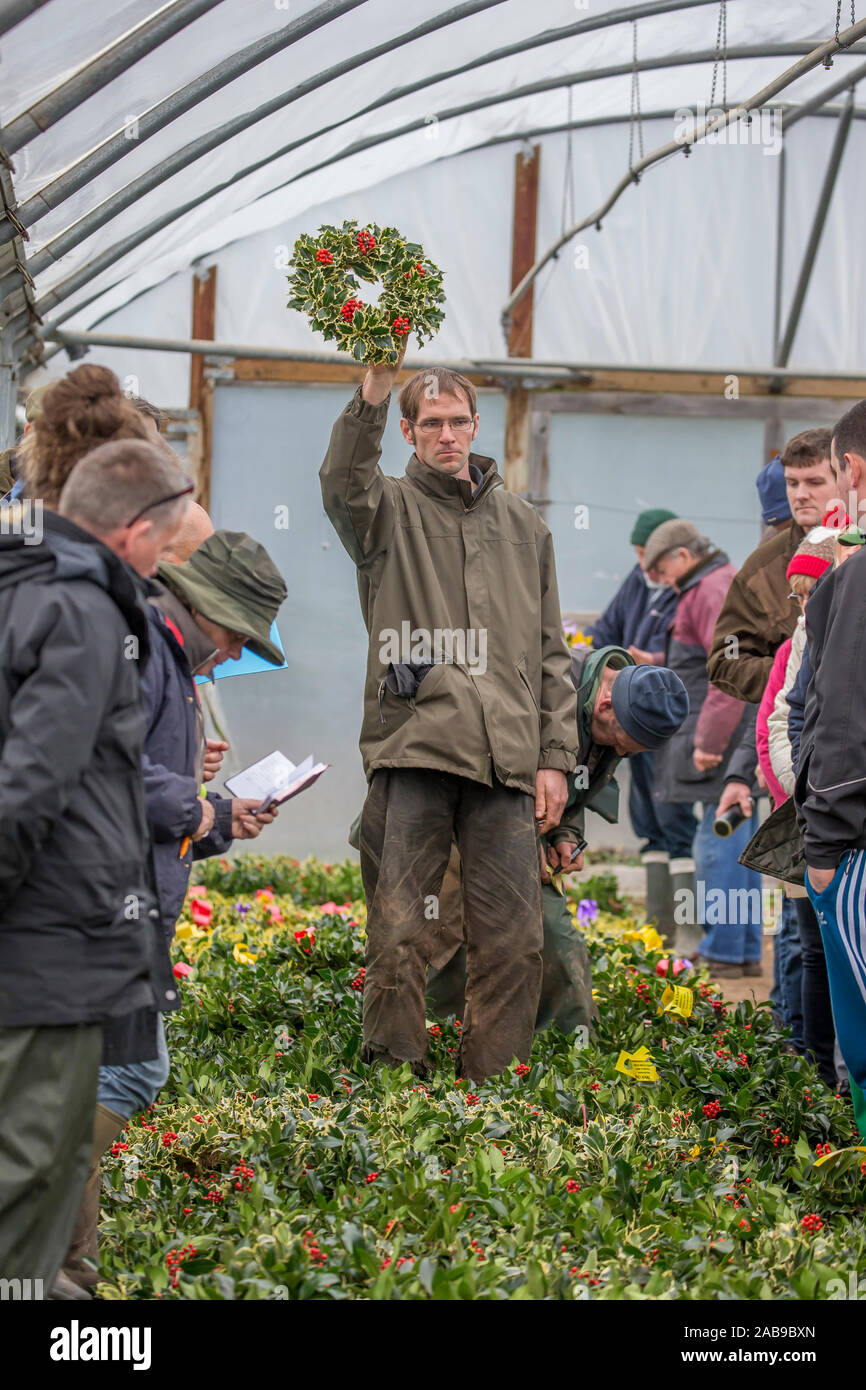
(201, 912)
(324, 257)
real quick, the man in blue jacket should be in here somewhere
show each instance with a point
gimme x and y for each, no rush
(638, 618)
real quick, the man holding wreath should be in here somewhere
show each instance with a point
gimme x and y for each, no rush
(454, 747)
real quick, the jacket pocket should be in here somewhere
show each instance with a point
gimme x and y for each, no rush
(521, 671)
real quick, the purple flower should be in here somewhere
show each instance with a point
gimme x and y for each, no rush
(587, 910)
(242, 909)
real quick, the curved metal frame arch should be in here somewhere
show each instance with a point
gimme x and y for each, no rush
(100, 216)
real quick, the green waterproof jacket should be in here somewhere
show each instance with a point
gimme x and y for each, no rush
(593, 782)
(462, 582)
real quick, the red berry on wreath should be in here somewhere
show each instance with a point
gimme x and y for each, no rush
(419, 267)
(400, 326)
(324, 257)
(349, 309)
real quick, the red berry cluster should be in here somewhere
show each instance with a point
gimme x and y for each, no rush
(400, 326)
(477, 1248)
(822, 1149)
(371, 1177)
(241, 1174)
(118, 1148)
(471, 1098)
(584, 1274)
(366, 241)
(572, 1185)
(521, 1069)
(358, 982)
(746, 1225)
(779, 1138)
(350, 308)
(169, 1138)
(435, 1031)
(175, 1258)
(812, 1223)
(317, 1256)
(324, 257)
(712, 1109)
(642, 991)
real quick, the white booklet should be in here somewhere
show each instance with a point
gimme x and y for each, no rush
(275, 779)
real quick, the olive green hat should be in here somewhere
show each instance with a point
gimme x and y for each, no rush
(33, 403)
(232, 580)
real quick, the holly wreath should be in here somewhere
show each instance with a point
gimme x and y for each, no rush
(324, 275)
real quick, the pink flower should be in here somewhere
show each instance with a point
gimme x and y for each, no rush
(181, 970)
(197, 892)
(201, 912)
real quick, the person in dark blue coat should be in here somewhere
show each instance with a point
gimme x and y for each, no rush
(637, 618)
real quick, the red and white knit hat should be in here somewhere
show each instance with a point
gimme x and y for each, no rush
(815, 553)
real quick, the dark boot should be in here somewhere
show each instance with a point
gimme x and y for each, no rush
(659, 897)
(82, 1257)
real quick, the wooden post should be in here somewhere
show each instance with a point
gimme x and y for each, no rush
(200, 386)
(518, 405)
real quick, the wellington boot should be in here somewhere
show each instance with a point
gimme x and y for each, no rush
(82, 1257)
(689, 934)
(659, 898)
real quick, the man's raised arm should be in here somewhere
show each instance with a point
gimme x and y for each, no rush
(355, 492)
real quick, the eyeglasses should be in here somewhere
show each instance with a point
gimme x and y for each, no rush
(461, 425)
(160, 502)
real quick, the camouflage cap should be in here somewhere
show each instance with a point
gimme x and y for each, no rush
(232, 580)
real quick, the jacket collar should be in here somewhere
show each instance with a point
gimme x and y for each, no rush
(80, 555)
(454, 490)
(700, 569)
(197, 646)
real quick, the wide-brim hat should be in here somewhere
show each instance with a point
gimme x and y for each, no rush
(232, 581)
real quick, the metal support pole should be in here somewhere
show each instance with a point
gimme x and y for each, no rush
(8, 389)
(13, 11)
(785, 343)
(114, 60)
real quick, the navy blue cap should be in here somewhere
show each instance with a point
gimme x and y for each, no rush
(773, 493)
(650, 703)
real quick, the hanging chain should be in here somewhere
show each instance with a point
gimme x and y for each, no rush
(634, 112)
(828, 61)
(721, 53)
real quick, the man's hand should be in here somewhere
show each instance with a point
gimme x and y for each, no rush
(559, 856)
(735, 794)
(551, 794)
(761, 779)
(380, 378)
(640, 657)
(206, 822)
(704, 761)
(245, 824)
(213, 758)
(821, 878)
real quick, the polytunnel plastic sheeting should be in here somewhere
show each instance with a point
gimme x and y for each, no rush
(686, 277)
(47, 46)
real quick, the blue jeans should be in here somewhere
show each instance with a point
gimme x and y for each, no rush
(126, 1090)
(786, 996)
(665, 825)
(728, 896)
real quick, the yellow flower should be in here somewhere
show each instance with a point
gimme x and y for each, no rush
(242, 956)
